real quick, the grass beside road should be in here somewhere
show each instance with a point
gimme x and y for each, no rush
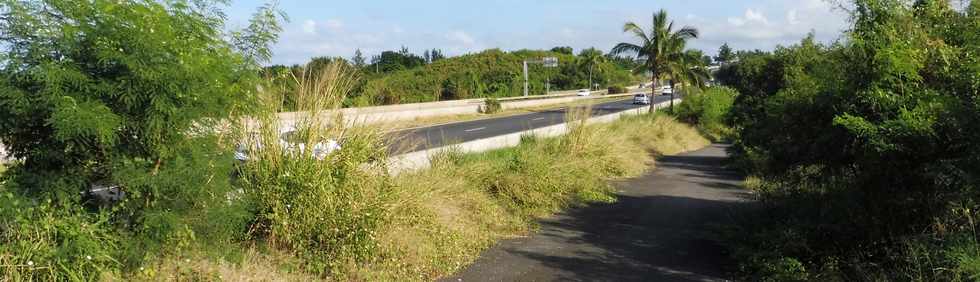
(438, 220)
(446, 215)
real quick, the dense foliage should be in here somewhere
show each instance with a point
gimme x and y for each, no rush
(866, 148)
(708, 110)
(103, 94)
(491, 73)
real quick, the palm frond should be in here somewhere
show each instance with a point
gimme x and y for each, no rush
(624, 48)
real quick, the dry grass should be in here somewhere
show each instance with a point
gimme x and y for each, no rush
(255, 265)
(450, 213)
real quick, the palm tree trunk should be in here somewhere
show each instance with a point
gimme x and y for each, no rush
(590, 77)
(653, 89)
(672, 95)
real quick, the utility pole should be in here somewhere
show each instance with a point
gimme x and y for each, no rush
(525, 79)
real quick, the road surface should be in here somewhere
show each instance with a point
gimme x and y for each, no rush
(417, 139)
(658, 230)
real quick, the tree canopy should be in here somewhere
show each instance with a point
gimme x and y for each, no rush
(85, 85)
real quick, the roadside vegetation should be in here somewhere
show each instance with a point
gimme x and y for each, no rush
(864, 151)
(444, 216)
(402, 77)
(661, 52)
(148, 102)
(708, 109)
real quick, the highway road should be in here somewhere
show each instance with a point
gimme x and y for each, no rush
(418, 139)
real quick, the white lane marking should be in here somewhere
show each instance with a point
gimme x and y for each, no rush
(475, 129)
(540, 118)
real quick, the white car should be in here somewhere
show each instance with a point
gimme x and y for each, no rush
(666, 90)
(584, 92)
(290, 144)
(641, 99)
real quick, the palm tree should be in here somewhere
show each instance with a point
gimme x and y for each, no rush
(660, 50)
(686, 68)
(592, 57)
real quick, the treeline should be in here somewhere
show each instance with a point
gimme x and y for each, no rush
(866, 150)
(395, 77)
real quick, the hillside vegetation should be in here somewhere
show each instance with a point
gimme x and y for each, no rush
(402, 77)
(491, 73)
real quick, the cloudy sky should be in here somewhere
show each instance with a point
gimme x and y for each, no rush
(337, 28)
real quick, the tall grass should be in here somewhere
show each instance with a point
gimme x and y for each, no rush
(325, 211)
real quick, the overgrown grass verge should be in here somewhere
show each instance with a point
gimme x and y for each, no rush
(446, 215)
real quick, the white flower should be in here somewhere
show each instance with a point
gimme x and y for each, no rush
(30, 263)
(88, 257)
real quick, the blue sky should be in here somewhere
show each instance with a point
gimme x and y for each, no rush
(337, 28)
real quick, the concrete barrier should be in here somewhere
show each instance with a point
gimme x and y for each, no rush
(392, 113)
(422, 159)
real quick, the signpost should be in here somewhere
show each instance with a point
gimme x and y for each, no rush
(548, 62)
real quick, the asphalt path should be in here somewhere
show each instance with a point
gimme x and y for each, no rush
(422, 138)
(660, 229)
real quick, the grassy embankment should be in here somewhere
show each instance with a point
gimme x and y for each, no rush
(286, 216)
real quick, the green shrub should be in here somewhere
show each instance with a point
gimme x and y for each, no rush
(708, 110)
(617, 89)
(490, 105)
(868, 148)
(55, 241)
(325, 210)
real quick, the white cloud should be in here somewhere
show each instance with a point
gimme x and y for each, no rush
(792, 18)
(752, 29)
(751, 16)
(755, 16)
(309, 27)
(334, 24)
(461, 37)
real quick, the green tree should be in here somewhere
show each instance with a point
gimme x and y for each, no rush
(688, 69)
(659, 49)
(89, 85)
(593, 60)
(563, 50)
(725, 54)
(358, 59)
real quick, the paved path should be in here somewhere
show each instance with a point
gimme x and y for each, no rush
(657, 231)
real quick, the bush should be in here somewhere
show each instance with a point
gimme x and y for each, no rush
(867, 148)
(325, 210)
(53, 241)
(617, 89)
(130, 94)
(490, 105)
(708, 110)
